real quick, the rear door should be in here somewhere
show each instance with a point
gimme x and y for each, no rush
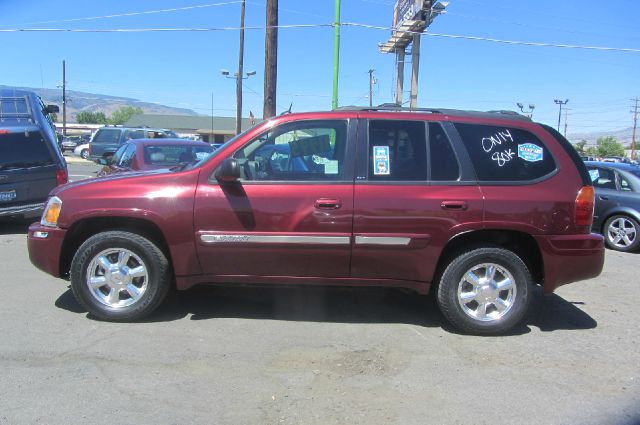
(604, 182)
(27, 167)
(411, 195)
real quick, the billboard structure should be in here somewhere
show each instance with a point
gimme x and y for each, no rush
(410, 19)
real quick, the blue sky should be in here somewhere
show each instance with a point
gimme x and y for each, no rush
(182, 68)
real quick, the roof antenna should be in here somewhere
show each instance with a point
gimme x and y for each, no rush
(288, 111)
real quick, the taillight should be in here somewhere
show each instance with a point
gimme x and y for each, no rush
(62, 177)
(584, 206)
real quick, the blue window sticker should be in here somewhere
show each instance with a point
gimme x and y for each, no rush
(381, 161)
(530, 152)
(594, 174)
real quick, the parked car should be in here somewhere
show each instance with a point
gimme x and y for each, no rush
(106, 140)
(82, 151)
(30, 162)
(477, 206)
(153, 154)
(617, 209)
(69, 143)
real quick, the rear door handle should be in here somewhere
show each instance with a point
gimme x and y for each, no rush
(603, 198)
(328, 204)
(454, 205)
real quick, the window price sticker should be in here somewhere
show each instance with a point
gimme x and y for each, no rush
(381, 161)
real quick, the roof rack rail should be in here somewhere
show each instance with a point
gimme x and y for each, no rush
(393, 107)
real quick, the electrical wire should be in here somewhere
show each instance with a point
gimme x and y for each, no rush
(344, 24)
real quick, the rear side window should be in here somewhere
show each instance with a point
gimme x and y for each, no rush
(20, 150)
(603, 178)
(107, 136)
(397, 151)
(505, 153)
(444, 164)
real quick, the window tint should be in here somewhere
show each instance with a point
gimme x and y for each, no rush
(444, 164)
(174, 154)
(624, 184)
(306, 150)
(133, 134)
(397, 151)
(505, 154)
(107, 136)
(118, 155)
(602, 178)
(20, 150)
(127, 156)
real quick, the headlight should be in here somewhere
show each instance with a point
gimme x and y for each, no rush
(51, 212)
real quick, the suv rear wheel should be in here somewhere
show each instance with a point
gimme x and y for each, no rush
(485, 291)
(119, 276)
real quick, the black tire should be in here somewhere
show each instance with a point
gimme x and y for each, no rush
(153, 287)
(489, 320)
(84, 153)
(622, 222)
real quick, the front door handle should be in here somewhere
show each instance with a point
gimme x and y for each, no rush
(328, 204)
(603, 198)
(454, 205)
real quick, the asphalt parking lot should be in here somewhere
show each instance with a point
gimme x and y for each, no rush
(314, 356)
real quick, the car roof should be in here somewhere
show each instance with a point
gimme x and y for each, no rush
(167, 141)
(15, 92)
(618, 165)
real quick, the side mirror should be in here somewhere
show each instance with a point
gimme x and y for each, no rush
(52, 109)
(228, 171)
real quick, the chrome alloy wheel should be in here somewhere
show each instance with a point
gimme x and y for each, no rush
(117, 277)
(621, 233)
(486, 292)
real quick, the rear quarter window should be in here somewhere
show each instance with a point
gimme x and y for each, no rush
(505, 154)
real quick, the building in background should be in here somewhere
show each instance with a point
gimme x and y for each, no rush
(209, 129)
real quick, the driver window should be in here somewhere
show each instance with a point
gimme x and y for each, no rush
(127, 156)
(302, 151)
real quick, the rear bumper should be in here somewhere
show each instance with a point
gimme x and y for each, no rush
(26, 210)
(45, 247)
(570, 258)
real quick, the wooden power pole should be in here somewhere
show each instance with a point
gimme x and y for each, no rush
(271, 60)
(64, 99)
(635, 124)
(240, 72)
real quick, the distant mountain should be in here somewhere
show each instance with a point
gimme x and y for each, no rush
(623, 136)
(78, 101)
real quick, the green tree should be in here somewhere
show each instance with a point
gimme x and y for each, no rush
(580, 147)
(86, 117)
(609, 146)
(122, 114)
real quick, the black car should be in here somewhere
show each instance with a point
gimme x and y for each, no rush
(31, 163)
(617, 209)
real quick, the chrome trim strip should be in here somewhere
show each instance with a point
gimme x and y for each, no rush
(382, 240)
(263, 239)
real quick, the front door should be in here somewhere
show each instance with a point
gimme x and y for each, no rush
(291, 212)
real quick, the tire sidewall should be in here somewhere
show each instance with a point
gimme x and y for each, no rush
(610, 244)
(448, 290)
(157, 269)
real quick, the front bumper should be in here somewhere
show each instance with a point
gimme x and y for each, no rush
(45, 247)
(570, 258)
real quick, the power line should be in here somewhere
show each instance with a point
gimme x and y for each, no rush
(146, 12)
(330, 25)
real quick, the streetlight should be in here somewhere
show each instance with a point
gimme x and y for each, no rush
(238, 79)
(560, 102)
(528, 113)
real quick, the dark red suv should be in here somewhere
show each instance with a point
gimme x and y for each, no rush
(477, 206)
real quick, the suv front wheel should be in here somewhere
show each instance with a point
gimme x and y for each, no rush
(485, 291)
(119, 276)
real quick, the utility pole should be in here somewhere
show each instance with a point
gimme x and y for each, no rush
(336, 55)
(635, 124)
(561, 103)
(239, 79)
(371, 78)
(64, 98)
(566, 113)
(270, 60)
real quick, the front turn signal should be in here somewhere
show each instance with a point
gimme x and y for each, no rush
(51, 212)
